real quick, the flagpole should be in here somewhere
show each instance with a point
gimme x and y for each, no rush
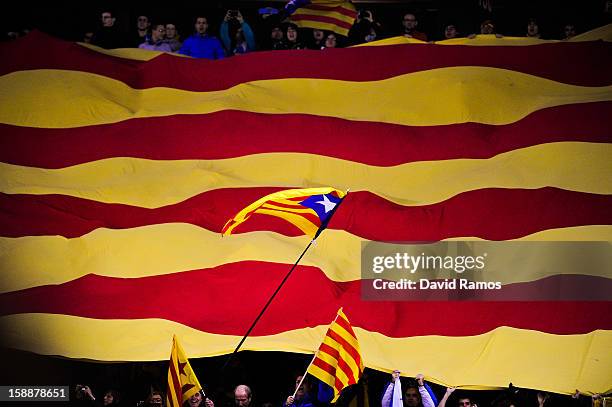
(313, 359)
(323, 227)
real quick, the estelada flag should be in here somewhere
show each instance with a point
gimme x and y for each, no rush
(182, 380)
(309, 209)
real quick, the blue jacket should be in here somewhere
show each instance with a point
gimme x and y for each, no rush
(227, 42)
(202, 46)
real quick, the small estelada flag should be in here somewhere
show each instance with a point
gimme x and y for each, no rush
(309, 209)
(182, 381)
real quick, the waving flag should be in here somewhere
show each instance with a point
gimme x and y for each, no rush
(182, 381)
(338, 361)
(331, 15)
(117, 176)
(308, 209)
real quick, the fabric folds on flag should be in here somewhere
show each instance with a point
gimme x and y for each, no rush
(338, 361)
(308, 209)
(111, 200)
(331, 15)
(182, 381)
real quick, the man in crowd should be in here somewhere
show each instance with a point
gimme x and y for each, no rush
(410, 24)
(201, 44)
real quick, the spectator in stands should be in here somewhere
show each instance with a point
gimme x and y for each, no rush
(416, 394)
(569, 31)
(172, 37)
(88, 37)
(242, 396)
(202, 45)
(156, 399)
(365, 29)
(107, 36)
(198, 400)
(156, 41)
(317, 40)
(533, 30)
(111, 398)
(461, 402)
(234, 26)
(450, 32)
(410, 24)
(486, 28)
(277, 37)
(302, 397)
(293, 41)
(142, 31)
(331, 41)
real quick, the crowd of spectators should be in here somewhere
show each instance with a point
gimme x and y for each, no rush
(310, 392)
(270, 28)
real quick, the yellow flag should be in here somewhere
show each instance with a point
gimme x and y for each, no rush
(182, 381)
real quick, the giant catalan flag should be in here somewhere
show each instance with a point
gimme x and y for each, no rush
(119, 169)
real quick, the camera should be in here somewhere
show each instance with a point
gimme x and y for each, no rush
(232, 13)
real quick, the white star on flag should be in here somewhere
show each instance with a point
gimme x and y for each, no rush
(329, 205)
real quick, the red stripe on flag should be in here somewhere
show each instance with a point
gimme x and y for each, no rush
(493, 214)
(40, 51)
(346, 325)
(333, 352)
(347, 346)
(308, 216)
(332, 9)
(340, 362)
(322, 19)
(176, 383)
(178, 138)
(323, 365)
(137, 298)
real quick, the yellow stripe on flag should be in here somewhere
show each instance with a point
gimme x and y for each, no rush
(574, 166)
(57, 98)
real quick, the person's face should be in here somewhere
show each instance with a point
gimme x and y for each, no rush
(241, 398)
(88, 37)
(532, 29)
(158, 33)
(487, 28)
(107, 20)
(201, 25)
(412, 398)
(569, 31)
(170, 31)
(156, 400)
(143, 22)
(410, 22)
(291, 34)
(450, 32)
(108, 399)
(276, 34)
(318, 35)
(330, 41)
(300, 390)
(195, 400)
(464, 403)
